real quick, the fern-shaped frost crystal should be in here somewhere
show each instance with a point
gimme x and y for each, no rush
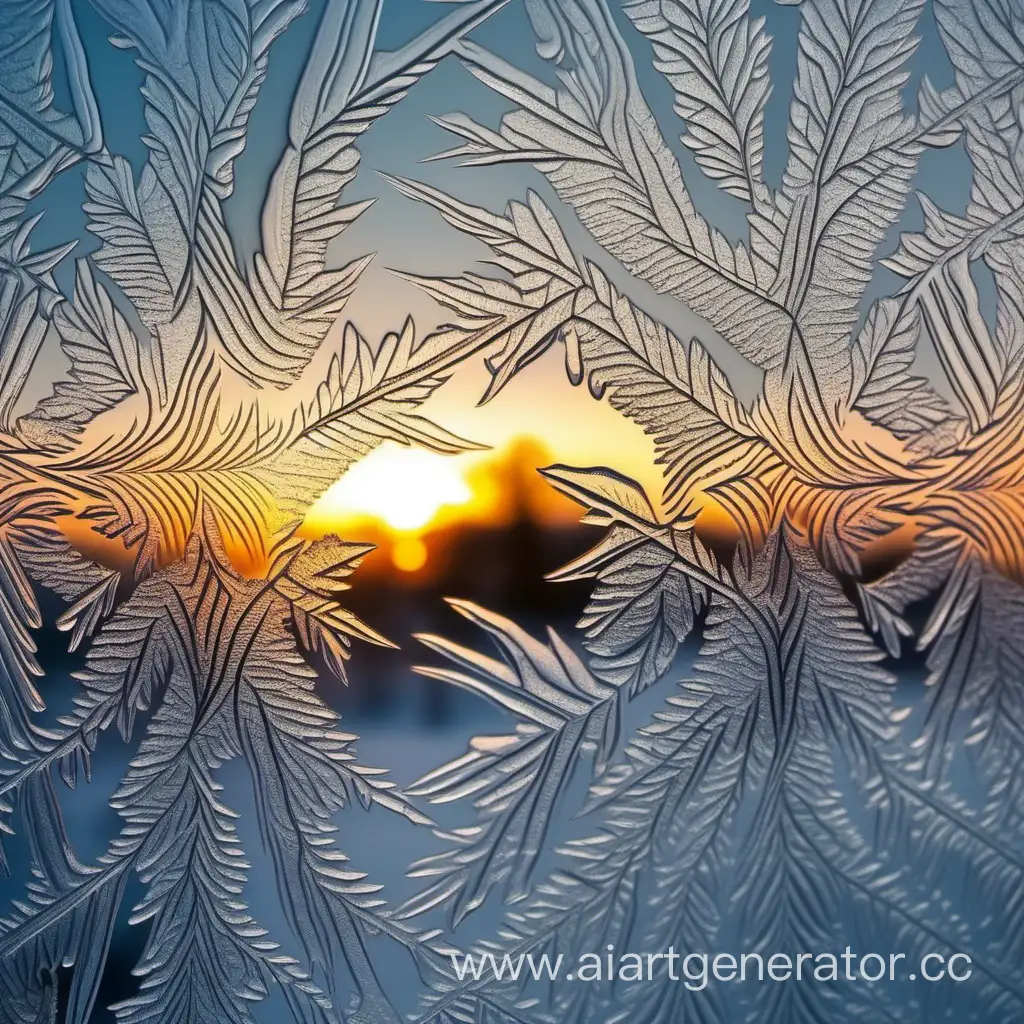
(786, 793)
(730, 752)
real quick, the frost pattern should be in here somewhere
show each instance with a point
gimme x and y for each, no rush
(190, 435)
(785, 791)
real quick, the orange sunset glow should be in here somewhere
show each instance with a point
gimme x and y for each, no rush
(399, 497)
(412, 503)
(402, 498)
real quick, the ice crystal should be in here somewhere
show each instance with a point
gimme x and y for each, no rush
(786, 790)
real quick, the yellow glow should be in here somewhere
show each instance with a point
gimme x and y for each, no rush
(409, 502)
(409, 554)
(405, 488)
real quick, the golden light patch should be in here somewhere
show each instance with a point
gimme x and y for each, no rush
(409, 554)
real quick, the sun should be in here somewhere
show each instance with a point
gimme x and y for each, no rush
(402, 488)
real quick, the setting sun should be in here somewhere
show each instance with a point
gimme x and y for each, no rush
(410, 503)
(406, 501)
(404, 488)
